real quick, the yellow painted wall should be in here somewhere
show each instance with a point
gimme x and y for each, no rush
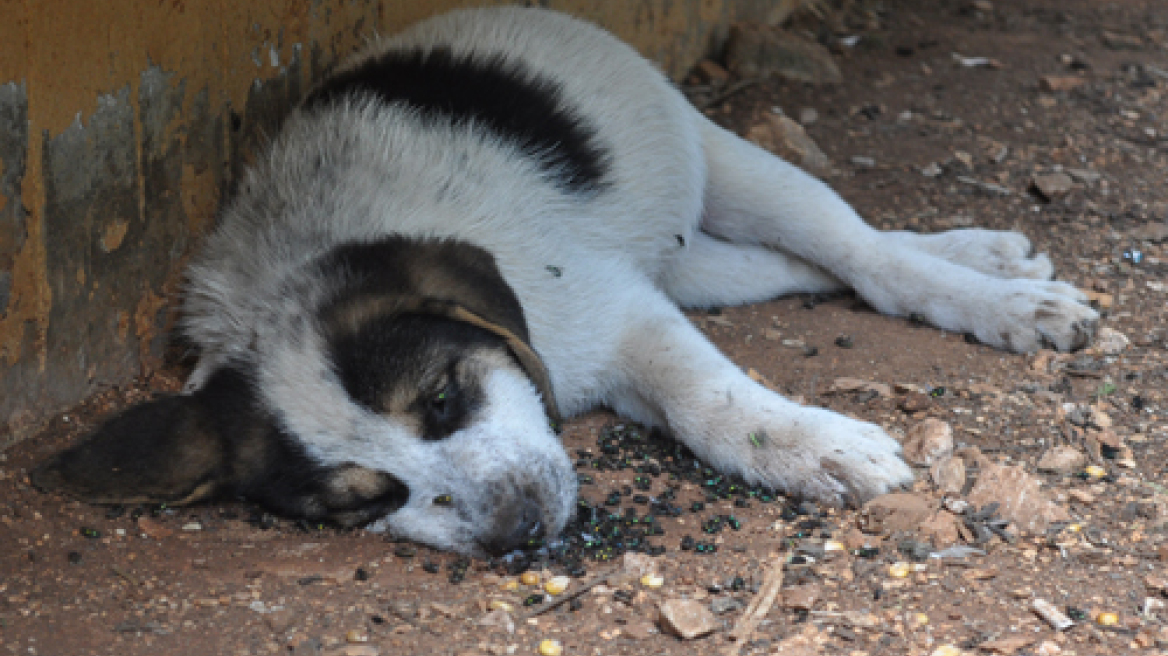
(122, 123)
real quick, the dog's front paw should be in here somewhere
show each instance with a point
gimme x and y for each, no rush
(1032, 314)
(826, 457)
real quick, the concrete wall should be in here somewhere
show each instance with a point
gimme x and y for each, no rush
(122, 124)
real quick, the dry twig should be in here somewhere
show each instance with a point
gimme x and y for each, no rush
(772, 584)
(555, 603)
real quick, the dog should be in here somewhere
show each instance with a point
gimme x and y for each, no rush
(491, 221)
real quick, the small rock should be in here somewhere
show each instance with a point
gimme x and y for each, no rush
(1007, 645)
(843, 385)
(1117, 41)
(948, 475)
(1111, 342)
(1020, 498)
(1086, 176)
(1062, 460)
(358, 650)
(801, 597)
(787, 139)
(500, 619)
(1156, 232)
(808, 116)
(942, 529)
(914, 402)
(757, 51)
(641, 630)
(723, 605)
(932, 170)
(1056, 83)
(862, 162)
(928, 442)
(686, 619)
(896, 512)
(638, 564)
(153, 529)
(1052, 185)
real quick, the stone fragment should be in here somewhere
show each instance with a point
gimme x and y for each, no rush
(757, 51)
(942, 529)
(1156, 232)
(913, 402)
(801, 597)
(928, 442)
(1110, 341)
(948, 475)
(638, 564)
(896, 512)
(153, 529)
(686, 619)
(498, 618)
(1052, 185)
(1062, 460)
(723, 605)
(1019, 497)
(1007, 645)
(844, 385)
(1056, 83)
(1117, 41)
(787, 139)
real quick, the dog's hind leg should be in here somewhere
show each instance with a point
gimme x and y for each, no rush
(753, 197)
(668, 373)
(712, 272)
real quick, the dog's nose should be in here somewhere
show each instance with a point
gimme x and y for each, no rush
(516, 527)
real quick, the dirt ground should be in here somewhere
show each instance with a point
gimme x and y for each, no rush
(920, 141)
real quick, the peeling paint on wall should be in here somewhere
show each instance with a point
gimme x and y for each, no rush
(125, 124)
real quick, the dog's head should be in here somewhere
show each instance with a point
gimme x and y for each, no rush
(394, 385)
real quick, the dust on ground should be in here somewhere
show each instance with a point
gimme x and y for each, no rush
(1048, 117)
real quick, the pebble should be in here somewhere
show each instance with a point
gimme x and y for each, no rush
(1111, 342)
(686, 619)
(928, 442)
(1019, 497)
(1062, 460)
(723, 605)
(1052, 185)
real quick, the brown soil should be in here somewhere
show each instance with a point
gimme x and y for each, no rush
(76, 579)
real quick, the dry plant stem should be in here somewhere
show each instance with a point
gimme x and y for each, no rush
(772, 584)
(732, 90)
(554, 603)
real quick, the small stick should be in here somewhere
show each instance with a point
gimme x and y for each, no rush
(730, 91)
(555, 603)
(772, 584)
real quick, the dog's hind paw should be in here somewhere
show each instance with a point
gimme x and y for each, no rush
(826, 457)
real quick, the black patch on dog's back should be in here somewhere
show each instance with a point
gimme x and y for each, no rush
(492, 91)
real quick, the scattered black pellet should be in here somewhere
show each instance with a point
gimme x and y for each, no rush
(74, 557)
(361, 574)
(430, 566)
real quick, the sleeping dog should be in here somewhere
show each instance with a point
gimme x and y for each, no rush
(489, 222)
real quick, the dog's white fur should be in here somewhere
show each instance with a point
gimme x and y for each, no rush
(692, 215)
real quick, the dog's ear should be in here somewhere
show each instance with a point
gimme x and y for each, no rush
(169, 450)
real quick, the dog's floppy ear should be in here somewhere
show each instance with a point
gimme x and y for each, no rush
(523, 352)
(167, 450)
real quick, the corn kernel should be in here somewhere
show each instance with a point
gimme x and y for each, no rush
(510, 585)
(1107, 619)
(946, 650)
(499, 604)
(833, 545)
(551, 648)
(557, 584)
(1095, 471)
(652, 580)
(899, 570)
(920, 619)
(1074, 528)
(529, 578)
(356, 637)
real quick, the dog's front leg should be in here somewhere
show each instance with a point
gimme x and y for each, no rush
(675, 375)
